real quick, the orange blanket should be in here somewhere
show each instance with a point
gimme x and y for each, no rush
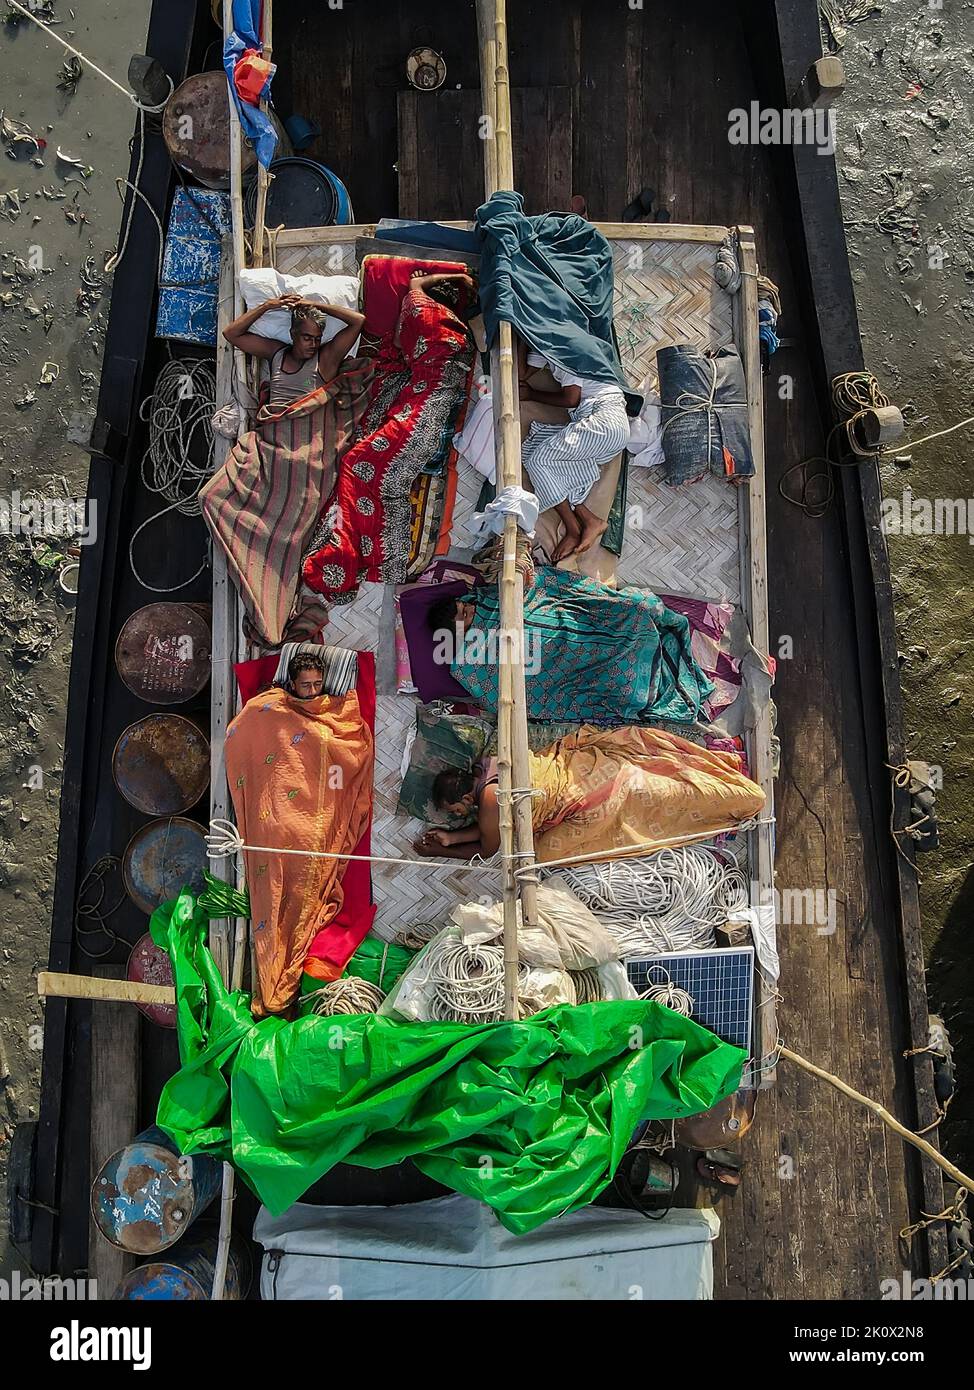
(300, 774)
(608, 789)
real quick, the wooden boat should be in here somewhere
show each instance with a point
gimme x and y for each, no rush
(603, 103)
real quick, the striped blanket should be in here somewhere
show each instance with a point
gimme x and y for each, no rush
(262, 505)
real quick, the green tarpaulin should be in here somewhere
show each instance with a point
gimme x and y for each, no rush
(531, 1117)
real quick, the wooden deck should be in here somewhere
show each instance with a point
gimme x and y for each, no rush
(826, 1191)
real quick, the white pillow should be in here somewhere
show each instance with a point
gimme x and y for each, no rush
(265, 283)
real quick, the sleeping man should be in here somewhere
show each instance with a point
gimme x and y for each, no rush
(565, 460)
(306, 363)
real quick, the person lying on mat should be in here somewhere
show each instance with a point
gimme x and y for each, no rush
(564, 460)
(301, 366)
(453, 288)
(597, 791)
(305, 677)
(590, 652)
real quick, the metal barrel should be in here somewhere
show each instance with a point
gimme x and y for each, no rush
(161, 764)
(187, 1274)
(196, 129)
(147, 1194)
(162, 858)
(150, 965)
(163, 652)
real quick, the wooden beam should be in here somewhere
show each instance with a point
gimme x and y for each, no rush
(662, 231)
(56, 984)
(752, 529)
(822, 85)
(114, 1116)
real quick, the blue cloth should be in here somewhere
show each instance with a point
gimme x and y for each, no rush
(704, 413)
(257, 126)
(552, 278)
(429, 234)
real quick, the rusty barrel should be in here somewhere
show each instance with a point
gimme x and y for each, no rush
(147, 1194)
(161, 764)
(163, 652)
(187, 1274)
(162, 858)
(149, 964)
(196, 129)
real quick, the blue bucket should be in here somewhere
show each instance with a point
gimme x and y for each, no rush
(146, 1195)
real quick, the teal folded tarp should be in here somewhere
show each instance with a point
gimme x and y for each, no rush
(531, 1118)
(552, 278)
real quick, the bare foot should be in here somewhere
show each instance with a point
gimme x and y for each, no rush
(568, 544)
(592, 528)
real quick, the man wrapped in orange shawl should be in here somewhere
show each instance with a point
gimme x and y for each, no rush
(300, 774)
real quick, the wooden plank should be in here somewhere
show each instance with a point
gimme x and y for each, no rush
(754, 592)
(57, 984)
(408, 163)
(115, 1046)
(541, 119)
(662, 231)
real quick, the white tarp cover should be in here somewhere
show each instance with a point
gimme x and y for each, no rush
(455, 1248)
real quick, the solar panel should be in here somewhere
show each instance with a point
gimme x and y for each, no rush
(720, 983)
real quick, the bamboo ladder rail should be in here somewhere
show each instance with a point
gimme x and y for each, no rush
(517, 836)
(231, 972)
(264, 177)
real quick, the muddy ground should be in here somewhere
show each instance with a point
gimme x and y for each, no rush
(904, 142)
(905, 131)
(53, 306)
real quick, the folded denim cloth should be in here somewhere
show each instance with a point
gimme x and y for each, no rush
(704, 413)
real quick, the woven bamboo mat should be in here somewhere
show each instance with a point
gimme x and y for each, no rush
(678, 540)
(417, 893)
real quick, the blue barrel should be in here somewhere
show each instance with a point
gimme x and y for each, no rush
(187, 1274)
(146, 1195)
(303, 194)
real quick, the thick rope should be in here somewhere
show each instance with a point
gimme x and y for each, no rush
(669, 901)
(349, 995)
(179, 414)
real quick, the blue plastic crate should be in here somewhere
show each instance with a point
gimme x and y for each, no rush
(191, 266)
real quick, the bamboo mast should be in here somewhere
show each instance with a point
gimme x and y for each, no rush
(228, 1184)
(517, 839)
(263, 175)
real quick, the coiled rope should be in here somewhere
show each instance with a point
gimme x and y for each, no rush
(669, 901)
(665, 992)
(349, 995)
(466, 983)
(179, 457)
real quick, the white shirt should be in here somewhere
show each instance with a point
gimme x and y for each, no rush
(590, 390)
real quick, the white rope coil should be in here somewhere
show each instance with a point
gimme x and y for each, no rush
(664, 991)
(349, 995)
(179, 457)
(669, 901)
(465, 983)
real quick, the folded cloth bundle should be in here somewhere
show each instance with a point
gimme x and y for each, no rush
(704, 411)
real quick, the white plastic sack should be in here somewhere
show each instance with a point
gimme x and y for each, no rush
(266, 283)
(568, 936)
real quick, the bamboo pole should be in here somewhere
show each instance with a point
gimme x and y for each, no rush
(263, 176)
(883, 1114)
(512, 733)
(236, 223)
